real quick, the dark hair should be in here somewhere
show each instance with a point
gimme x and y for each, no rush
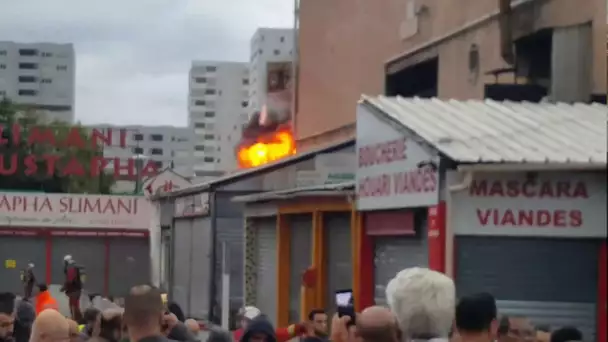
(7, 303)
(475, 313)
(175, 309)
(42, 287)
(543, 328)
(90, 315)
(504, 325)
(566, 334)
(219, 335)
(314, 312)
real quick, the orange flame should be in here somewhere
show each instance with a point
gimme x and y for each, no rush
(267, 148)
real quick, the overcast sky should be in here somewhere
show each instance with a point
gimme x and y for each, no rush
(133, 56)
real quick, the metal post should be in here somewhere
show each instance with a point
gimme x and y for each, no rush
(225, 287)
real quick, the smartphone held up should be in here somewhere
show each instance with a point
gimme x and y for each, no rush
(345, 304)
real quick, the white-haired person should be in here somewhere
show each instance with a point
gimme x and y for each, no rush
(423, 302)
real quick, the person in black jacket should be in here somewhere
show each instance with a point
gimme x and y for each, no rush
(259, 329)
(7, 317)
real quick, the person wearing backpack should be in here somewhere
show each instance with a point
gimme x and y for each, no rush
(73, 286)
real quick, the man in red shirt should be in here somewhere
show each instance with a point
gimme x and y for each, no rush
(248, 313)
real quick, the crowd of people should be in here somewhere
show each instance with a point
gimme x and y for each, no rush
(422, 307)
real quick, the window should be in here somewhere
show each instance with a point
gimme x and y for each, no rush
(200, 80)
(62, 67)
(245, 81)
(47, 54)
(2, 52)
(156, 137)
(209, 114)
(277, 52)
(210, 69)
(28, 66)
(208, 159)
(208, 137)
(209, 91)
(156, 151)
(158, 164)
(199, 102)
(282, 39)
(46, 81)
(138, 137)
(199, 125)
(28, 52)
(3, 66)
(199, 148)
(260, 51)
(138, 150)
(2, 93)
(27, 79)
(27, 92)
(244, 104)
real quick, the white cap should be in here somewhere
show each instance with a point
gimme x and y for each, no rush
(251, 312)
(67, 258)
(30, 265)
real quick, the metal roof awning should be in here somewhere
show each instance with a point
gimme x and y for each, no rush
(326, 190)
(502, 135)
(197, 188)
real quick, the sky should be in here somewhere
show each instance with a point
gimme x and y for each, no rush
(133, 56)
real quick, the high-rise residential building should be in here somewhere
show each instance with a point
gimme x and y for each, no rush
(41, 75)
(217, 108)
(270, 47)
(168, 146)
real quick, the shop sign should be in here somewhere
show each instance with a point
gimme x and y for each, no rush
(74, 211)
(541, 204)
(192, 205)
(76, 139)
(163, 183)
(393, 170)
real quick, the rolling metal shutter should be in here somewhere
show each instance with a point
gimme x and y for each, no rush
(88, 252)
(266, 264)
(129, 264)
(21, 251)
(182, 257)
(300, 227)
(393, 254)
(339, 254)
(200, 268)
(551, 281)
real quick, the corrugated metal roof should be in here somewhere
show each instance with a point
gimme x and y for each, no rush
(338, 189)
(198, 188)
(488, 131)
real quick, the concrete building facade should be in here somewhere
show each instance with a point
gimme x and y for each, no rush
(463, 38)
(218, 93)
(268, 45)
(41, 75)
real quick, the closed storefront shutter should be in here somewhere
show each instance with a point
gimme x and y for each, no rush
(229, 235)
(551, 281)
(339, 254)
(15, 253)
(182, 242)
(88, 252)
(393, 254)
(200, 268)
(300, 227)
(266, 267)
(129, 264)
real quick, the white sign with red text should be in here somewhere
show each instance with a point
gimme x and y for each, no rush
(392, 169)
(164, 182)
(556, 204)
(18, 209)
